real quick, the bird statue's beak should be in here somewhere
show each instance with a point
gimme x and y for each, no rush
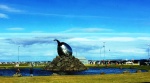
(55, 40)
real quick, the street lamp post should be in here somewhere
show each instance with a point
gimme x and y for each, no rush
(104, 52)
(100, 52)
(104, 49)
(76, 53)
(148, 51)
(109, 52)
(18, 54)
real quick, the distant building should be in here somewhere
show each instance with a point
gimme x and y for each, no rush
(83, 60)
(17, 65)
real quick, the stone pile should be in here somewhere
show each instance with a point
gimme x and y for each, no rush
(66, 64)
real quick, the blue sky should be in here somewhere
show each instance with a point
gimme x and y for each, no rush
(84, 24)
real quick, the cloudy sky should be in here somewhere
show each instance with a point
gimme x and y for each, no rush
(32, 25)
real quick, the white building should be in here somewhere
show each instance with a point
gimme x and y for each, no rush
(83, 60)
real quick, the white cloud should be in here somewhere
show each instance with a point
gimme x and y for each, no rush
(106, 39)
(133, 51)
(96, 30)
(78, 39)
(37, 32)
(2, 38)
(9, 9)
(68, 15)
(42, 44)
(3, 15)
(144, 38)
(119, 39)
(88, 30)
(49, 53)
(15, 29)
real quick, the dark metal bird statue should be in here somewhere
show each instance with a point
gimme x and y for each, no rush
(63, 49)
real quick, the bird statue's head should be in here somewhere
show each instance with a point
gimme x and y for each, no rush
(57, 41)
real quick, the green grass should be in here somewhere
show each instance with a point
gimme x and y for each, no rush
(114, 78)
(120, 66)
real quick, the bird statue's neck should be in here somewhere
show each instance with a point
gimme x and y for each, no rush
(58, 42)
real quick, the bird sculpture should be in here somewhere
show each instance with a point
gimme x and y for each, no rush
(63, 49)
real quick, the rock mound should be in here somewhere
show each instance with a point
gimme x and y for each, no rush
(66, 64)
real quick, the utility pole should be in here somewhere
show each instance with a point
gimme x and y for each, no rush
(100, 53)
(76, 53)
(104, 50)
(18, 54)
(148, 51)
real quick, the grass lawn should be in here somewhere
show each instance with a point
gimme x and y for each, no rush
(109, 78)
